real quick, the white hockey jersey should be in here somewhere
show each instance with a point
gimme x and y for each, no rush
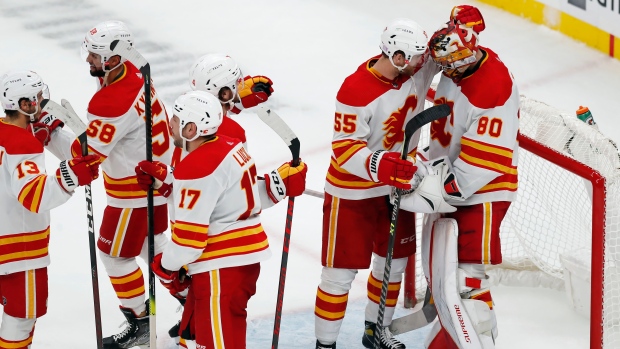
(371, 114)
(27, 194)
(216, 210)
(116, 132)
(480, 135)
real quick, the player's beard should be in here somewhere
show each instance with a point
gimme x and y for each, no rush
(177, 142)
(97, 72)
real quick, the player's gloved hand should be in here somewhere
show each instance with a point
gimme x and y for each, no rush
(43, 128)
(388, 168)
(155, 174)
(177, 282)
(78, 171)
(468, 15)
(255, 90)
(286, 181)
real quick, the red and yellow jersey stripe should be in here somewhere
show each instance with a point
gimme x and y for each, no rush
(31, 194)
(339, 177)
(124, 188)
(494, 158)
(24, 246)
(190, 234)
(242, 241)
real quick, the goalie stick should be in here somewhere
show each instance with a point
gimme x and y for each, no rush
(276, 123)
(67, 115)
(423, 118)
(125, 50)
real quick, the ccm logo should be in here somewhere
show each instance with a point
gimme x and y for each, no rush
(407, 239)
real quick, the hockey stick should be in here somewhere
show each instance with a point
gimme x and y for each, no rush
(272, 120)
(125, 50)
(418, 319)
(423, 118)
(67, 115)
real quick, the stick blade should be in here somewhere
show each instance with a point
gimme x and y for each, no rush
(426, 116)
(275, 122)
(419, 319)
(127, 51)
(68, 117)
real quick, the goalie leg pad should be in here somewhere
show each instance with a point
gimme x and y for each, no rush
(445, 285)
(375, 281)
(332, 296)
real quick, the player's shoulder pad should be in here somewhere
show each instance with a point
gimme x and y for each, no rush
(362, 87)
(491, 85)
(117, 98)
(206, 159)
(16, 140)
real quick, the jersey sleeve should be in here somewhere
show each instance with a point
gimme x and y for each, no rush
(265, 201)
(350, 141)
(486, 156)
(32, 187)
(60, 144)
(193, 201)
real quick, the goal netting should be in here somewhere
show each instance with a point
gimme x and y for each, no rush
(563, 231)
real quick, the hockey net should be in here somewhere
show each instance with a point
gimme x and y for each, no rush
(564, 227)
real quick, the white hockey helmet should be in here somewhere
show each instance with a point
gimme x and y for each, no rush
(21, 84)
(403, 35)
(201, 108)
(214, 71)
(453, 47)
(99, 38)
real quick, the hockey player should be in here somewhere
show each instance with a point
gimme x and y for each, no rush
(372, 107)
(479, 140)
(221, 76)
(217, 231)
(27, 194)
(116, 115)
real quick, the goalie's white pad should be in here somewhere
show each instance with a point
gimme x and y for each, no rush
(428, 196)
(464, 320)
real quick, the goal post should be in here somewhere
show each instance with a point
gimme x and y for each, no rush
(563, 230)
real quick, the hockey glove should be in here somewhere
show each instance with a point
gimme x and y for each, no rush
(43, 128)
(174, 281)
(389, 168)
(256, 90)
(78, 171)
(154, 174)
(469, 16)
(286, 181)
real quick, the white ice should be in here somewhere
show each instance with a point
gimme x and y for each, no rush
(307, 48)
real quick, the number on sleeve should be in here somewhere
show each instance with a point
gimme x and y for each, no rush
(345, 123)
(104, 131)
(492, 126)
(192, 194)
(32, 168)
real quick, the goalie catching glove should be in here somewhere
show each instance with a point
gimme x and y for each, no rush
(78, 171)
(156, 175)
(434, 184)
(388, 168)
(286, 181)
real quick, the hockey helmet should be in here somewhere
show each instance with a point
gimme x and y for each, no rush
(453, 47)
(201, 108)
(403, 35)
(99, 38)
(21, 84)
(212, 72)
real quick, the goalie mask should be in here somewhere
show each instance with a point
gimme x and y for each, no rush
(212, 72)
(23, 84)
(99, 38)
(453, 47)
(201, 108)
(406, 36)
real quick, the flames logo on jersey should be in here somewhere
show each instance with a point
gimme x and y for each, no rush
(394, 125)
(438, 127)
